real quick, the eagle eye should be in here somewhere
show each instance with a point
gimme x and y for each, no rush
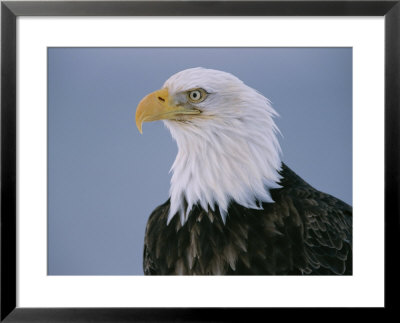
(197, 95)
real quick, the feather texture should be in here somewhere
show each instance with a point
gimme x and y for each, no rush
(304, 232)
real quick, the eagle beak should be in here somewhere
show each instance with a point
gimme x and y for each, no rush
(156, 106)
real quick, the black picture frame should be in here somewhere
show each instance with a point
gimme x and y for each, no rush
(10, 10)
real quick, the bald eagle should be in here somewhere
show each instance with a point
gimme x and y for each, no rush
(235, 208)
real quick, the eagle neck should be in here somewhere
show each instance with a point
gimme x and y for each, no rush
(220, 163)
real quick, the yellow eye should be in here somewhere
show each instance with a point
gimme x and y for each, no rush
(197, 95)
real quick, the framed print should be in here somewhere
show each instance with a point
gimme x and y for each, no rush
(74, 165)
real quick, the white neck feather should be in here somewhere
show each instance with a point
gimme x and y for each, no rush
(229, 155)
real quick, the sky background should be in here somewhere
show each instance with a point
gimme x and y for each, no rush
(104, 178)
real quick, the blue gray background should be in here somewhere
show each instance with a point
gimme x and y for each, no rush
(104, 178)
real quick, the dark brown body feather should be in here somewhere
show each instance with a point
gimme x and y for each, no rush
(304, 232)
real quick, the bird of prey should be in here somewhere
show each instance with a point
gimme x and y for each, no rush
(234, 207)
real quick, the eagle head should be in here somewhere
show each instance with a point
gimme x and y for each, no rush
(227, 141)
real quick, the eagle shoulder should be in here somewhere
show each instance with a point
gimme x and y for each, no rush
(150, 266)
(325, 222)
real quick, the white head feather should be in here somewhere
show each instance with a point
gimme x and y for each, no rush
(228, 153)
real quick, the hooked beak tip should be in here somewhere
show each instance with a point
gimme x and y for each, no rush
(139, 126)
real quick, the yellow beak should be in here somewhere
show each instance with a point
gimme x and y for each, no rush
(156, 106)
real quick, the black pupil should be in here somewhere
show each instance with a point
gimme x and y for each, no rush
(194, 95)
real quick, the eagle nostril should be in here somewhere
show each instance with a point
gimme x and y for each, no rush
(161, 99)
